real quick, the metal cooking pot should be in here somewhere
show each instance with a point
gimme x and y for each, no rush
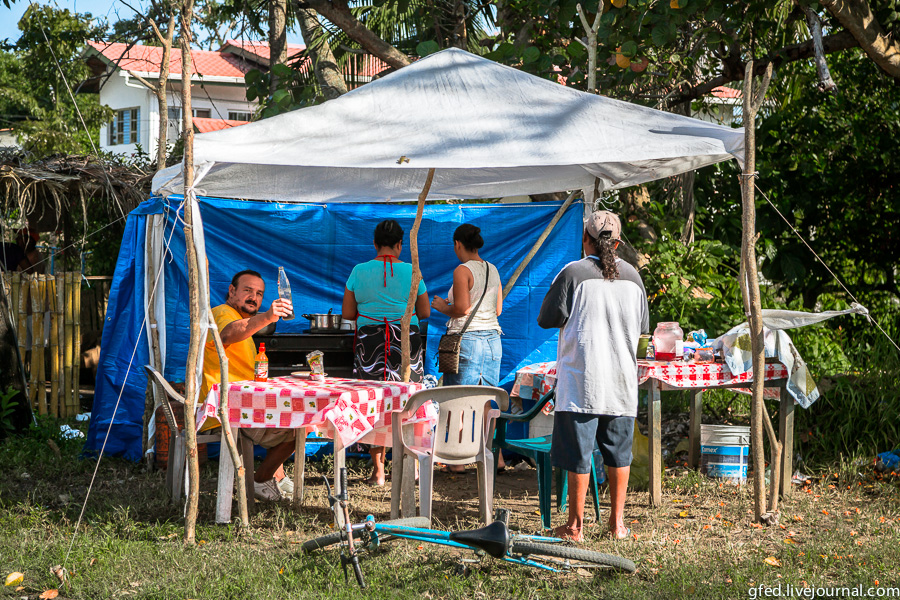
(326, 322)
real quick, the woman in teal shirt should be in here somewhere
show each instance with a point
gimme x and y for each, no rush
(375, 296)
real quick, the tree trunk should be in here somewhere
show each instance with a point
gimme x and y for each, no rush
(160, 92)
(277, 39)
(416, 278)
(328, 73)
(12, 373)
(857, 18)
(339, 14)
(753, 306)
(198, 329)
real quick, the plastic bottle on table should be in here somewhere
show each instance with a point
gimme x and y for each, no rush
(261, 365)
(284, 290)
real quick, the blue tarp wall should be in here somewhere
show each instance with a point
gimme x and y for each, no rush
(318, 245)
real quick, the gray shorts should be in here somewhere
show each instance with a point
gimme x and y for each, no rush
(269, 437)
(574, 436)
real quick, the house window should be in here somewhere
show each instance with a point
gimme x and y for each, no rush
(175, 113)
(125, 127)
(202, 113)
(235, 115)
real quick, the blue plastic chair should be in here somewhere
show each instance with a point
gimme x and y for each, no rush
(538, 450)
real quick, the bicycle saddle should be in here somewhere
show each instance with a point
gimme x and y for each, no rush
(493, 539)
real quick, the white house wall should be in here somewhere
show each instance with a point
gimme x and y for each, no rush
(118, 95)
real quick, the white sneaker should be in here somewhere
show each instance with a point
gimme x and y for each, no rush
(267, 490)
(286, 485)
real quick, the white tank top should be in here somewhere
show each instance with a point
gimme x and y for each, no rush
(486, 317)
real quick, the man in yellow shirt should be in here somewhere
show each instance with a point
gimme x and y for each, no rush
(237, 320)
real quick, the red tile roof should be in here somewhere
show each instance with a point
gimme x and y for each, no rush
(203, 125)
(258, 49)
(147, 59)
(726, 92)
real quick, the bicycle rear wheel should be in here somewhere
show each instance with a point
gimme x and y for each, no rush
(335, 537)
(568, 557)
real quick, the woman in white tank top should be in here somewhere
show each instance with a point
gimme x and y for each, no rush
(480, 352)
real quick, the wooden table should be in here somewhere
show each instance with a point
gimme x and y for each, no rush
(346, 410)
(535, 380)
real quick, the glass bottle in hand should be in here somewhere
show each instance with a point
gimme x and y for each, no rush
(284, 290)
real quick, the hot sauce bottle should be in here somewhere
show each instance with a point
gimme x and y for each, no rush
(261, 366)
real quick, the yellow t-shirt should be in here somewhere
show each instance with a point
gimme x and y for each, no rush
(241, 357)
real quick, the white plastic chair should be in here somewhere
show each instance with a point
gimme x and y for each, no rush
(463, 434)
(175, 471)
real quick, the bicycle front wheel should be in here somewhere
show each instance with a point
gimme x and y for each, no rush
(568, 557)
(335, 537)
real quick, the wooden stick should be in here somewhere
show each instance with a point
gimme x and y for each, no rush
(198, 328)
(537, 245)
(239, 469)
(752, 101)
(22, 317)
(61, 339)
(154, 275)
(69, 343)
(38, 343)
(416, 278)
(53, 307)
(35, 293)
(76, 342)
(775, 455)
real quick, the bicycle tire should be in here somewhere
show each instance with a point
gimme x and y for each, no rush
(574, 554)
(333, 538)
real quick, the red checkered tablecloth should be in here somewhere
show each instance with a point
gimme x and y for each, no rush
(534, 381)
(346, 410)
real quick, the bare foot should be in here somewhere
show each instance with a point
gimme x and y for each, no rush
(377, 480)
(619, 533)
(572, 534)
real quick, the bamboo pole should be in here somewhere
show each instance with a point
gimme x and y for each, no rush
(68, 345)
(61, 340)
(22, 320)
(239, 469)
(53, 307)
(34, 286)
(76, 343)
(198, 329)
(154, 275)
(416, 278)
(753, 305)
(537, 245)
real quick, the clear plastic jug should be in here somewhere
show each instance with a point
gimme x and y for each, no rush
(668, 341)
(284, 290)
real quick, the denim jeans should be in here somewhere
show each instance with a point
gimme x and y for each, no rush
(479, 359)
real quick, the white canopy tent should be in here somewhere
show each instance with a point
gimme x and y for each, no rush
(488, 131)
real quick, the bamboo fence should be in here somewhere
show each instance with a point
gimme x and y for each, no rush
(52, 304)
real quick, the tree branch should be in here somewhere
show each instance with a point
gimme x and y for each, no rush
(146, 83)
(826, 83)
(339, 13)
(830, 43)
(857, 18)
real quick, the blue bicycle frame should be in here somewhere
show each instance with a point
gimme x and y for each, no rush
(433, 536)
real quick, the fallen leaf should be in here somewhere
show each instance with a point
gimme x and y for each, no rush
(790, 541)
(706, 527)
(14, 578)
(49, 594)
(20, 588)
(684, 514)
(824, 512)
(772, 561)
(675, 525)
(798, 518)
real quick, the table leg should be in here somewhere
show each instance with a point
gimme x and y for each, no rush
(786, 437)
(654, 426)
(694, 428)
(299, 466)
(340, 462)
(225, 488)
(396, 466)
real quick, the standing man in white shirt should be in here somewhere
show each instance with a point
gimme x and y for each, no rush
(600, 306)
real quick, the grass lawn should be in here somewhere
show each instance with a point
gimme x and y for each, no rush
(842, 531)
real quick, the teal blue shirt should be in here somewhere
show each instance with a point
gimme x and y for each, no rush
(377, 300)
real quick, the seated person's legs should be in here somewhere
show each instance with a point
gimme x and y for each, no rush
(279, 445)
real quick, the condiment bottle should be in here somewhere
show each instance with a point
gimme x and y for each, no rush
(261, 366)
(284, 290)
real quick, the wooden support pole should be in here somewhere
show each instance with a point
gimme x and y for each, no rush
(69, 342)
(154, 275)
(416, 278)
(198, 328)
(753, 306)
(53, 297)
(239, 469)
(61, 341)
(37, 323)
(76, 345)
(22, 316)
(537, 245)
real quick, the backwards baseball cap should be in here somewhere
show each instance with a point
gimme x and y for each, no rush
(603, 221)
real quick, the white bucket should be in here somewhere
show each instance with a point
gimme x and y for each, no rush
(725, 452)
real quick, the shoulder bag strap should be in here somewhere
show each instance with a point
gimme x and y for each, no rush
(487, 276)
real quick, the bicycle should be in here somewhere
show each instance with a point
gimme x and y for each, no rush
(494, 540)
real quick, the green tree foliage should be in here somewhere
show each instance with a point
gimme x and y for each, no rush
(48, 53)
